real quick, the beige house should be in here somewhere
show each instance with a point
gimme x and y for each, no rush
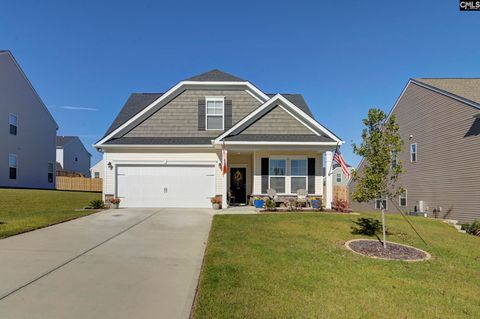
(164, 149)
(97, 170)
(439, 122)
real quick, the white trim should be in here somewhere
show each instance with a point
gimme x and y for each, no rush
(279, 97)
(153, 146)
(275, 143)
(254, 96)
(400, 198)
(215, 99)
(416, 153)
(170, 92)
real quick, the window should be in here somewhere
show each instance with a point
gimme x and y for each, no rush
(380, 203)
(12, 165)
(278, 171)
(76, 159)
(413, 152)
(394, 159)
(214, 113)
(402, 199)
(96, 174)
(12, 120)
(50, 172)
(298, 175)
(339, 177)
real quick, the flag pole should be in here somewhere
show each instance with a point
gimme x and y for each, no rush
(331, 166)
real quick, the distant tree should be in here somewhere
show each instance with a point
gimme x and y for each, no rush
(381, 142)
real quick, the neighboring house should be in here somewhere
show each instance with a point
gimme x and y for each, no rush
(96, 171)
(164, 149)
(339, 179)
(27, 131)
(72, 156)
(439, 123)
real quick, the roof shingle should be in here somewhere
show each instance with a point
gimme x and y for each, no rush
(467, 88)
(215, 76)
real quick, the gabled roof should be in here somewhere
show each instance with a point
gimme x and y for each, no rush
(296, 99)
(215, 76)
(135, 103)
(64, 140)
(467, 88)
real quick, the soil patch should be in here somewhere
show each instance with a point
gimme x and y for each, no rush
(374, 248)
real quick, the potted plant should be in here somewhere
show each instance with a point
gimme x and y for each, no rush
(216, 202)
(114, 202)
(316, 202)
(258, 202)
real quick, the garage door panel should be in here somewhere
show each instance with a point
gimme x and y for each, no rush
(166, 185)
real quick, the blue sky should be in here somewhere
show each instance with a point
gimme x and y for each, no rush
(86, 57)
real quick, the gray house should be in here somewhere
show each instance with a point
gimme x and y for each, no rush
(72, 156)
(439, 122)
(27, 131)
(165, 149)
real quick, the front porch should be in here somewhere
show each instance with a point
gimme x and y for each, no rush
(252, 172)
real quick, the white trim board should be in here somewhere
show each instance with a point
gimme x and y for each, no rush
(171, 91)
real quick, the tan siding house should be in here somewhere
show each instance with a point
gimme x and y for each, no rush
(165, 149)
(439, 119)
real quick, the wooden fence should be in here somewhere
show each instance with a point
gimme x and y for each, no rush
(84, 184)
(339, 192)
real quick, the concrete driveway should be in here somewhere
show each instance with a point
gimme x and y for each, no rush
(126, 263)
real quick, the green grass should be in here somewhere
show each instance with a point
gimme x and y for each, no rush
(22, 210)
(296, 266)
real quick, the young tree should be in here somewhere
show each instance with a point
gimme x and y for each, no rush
(381, 142)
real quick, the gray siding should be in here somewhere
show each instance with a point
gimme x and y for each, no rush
(179, 118)
(76, 150)
(447, 173)
(35, 142)
(277, 121)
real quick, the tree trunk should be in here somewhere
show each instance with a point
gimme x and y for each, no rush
(384, 229)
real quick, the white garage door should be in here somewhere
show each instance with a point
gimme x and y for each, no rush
(165, 185)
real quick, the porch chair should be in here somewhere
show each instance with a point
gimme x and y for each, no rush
(272, 193)
(302, 196)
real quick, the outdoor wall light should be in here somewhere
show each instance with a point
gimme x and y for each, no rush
(109, 164)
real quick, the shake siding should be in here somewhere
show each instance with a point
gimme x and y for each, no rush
(277, 121)
(179, 118)
(447, 171)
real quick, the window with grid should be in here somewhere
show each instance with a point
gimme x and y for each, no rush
(402, 199)
(278, 172)
(214, 113)
(298, 175)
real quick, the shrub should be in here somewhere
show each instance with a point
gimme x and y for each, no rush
(292, 204)
(474, 228)
(270, 205)
(367, 226)
(340, 205)
(97, 204)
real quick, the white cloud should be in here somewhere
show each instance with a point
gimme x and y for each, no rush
(74, 108)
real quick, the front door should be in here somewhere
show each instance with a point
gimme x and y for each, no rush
(238, 185)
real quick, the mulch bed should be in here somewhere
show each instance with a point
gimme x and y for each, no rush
(374, 248)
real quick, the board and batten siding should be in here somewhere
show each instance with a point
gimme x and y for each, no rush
(257, 170)
(447, 171)
(152, 157)
(179, 118)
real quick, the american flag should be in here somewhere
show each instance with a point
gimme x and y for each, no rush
(338, 157)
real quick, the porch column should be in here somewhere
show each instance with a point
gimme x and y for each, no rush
(224, 193)
(328, 179)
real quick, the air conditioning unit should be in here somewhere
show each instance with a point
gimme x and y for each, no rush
(421, 208)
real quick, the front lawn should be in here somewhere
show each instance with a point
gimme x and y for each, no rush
(22, 210)
(295, 266)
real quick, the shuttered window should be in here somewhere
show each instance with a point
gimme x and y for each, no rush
(215, 113)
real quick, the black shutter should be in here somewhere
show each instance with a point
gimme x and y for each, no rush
(311, 176)
(265, 172)
(228, 114)
(201, 114)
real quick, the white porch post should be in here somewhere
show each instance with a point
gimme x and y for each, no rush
(224, 193)
(329, 179)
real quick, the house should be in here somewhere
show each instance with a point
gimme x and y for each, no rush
(72, 156)
(439, 121)
(339, 179)
(165, 149)
(27, 131)
(96, 171)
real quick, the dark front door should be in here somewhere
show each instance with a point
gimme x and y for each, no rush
(238, 185)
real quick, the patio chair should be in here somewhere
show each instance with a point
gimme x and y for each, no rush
(302, 196)
(272, 193)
